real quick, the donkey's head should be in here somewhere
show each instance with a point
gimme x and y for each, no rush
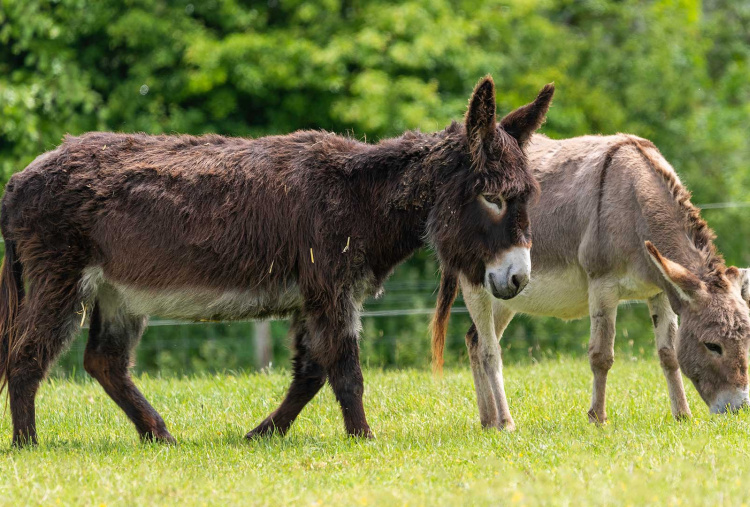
(714, 332)
(479, 224)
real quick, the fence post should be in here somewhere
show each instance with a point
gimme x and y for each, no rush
(262, 343)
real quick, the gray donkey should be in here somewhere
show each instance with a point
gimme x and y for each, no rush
(613, 224)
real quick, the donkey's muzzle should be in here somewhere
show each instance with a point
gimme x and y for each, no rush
(731, 401)
(508, 277)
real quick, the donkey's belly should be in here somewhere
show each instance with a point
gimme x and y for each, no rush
(198, 303)
(559, 293)
(565, 293)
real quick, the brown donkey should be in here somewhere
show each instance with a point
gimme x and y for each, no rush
(614, 223)
(307, 225)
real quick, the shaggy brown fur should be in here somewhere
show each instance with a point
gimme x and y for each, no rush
(120, 226)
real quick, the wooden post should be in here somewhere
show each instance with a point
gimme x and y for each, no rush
(263, 343)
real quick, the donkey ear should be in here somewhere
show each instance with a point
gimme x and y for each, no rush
(740, 278)
(686, 285)
(525, 120)
(480, 118)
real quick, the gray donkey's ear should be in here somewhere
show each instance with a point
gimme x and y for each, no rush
(740, 277)
(525, 120)
(685, 284)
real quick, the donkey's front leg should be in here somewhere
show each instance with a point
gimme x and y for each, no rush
(334, 345)
(603, 299)
(665, 329)
(488, 414)
(486, 361)
(345, 377)
(307, 378)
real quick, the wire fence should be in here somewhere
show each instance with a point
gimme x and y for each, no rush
(403, 299)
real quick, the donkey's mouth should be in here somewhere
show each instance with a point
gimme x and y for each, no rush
(731, 401)
(515, 284)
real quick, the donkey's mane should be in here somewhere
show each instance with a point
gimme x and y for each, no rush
(700, 234)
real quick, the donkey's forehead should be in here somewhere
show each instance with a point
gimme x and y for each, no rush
(509, 179)
(725, 316)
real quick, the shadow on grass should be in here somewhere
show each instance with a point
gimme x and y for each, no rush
(232, 439)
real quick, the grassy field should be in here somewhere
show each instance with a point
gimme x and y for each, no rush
(429, 448)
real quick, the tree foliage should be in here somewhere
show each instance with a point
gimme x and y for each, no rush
(674, 71)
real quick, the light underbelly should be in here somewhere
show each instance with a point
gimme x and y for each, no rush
(559, 293)
(565, 293)
(633, 288)
(197, 303)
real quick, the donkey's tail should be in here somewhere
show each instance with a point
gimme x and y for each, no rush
(11, 295)
(439, 326)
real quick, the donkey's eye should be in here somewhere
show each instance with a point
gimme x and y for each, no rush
(713, 347)
(494, 202)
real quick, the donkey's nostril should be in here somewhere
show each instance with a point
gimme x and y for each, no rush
(518, 282)
(514, 282)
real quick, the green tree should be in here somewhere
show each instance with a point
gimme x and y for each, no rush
(674, 71)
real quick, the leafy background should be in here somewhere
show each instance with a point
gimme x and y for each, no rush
(674, 71)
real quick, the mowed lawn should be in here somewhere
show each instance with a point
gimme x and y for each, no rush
(429, 448)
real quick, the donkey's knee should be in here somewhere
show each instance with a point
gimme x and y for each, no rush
(668, 359)
(601, 344)
(601, 360)
(472, 338)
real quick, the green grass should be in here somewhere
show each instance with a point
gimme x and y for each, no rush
(429, 447)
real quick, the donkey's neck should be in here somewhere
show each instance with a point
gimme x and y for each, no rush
(676, 228)
(398, 179)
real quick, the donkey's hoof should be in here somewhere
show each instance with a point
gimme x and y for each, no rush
(364, 433)
(598, 419)
(166, 439)
(264, 430)
(508, 426)
(161, 437)
(683, 416)
(22, 440)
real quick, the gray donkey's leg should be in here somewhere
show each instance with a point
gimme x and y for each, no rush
(486, 361)
(665, 329)
(603, 299)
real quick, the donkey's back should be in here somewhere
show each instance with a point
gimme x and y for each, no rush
(158, 216)
(117, 227)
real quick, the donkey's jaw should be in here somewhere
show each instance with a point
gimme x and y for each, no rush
(507, 276)
(731, 400)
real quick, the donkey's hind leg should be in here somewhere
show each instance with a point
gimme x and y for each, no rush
(308, 378)
(665, 329)
(603, 299)
(46, 323)
(108, 358)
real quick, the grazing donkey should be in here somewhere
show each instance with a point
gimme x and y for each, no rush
(614, 223)
(307, 225)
